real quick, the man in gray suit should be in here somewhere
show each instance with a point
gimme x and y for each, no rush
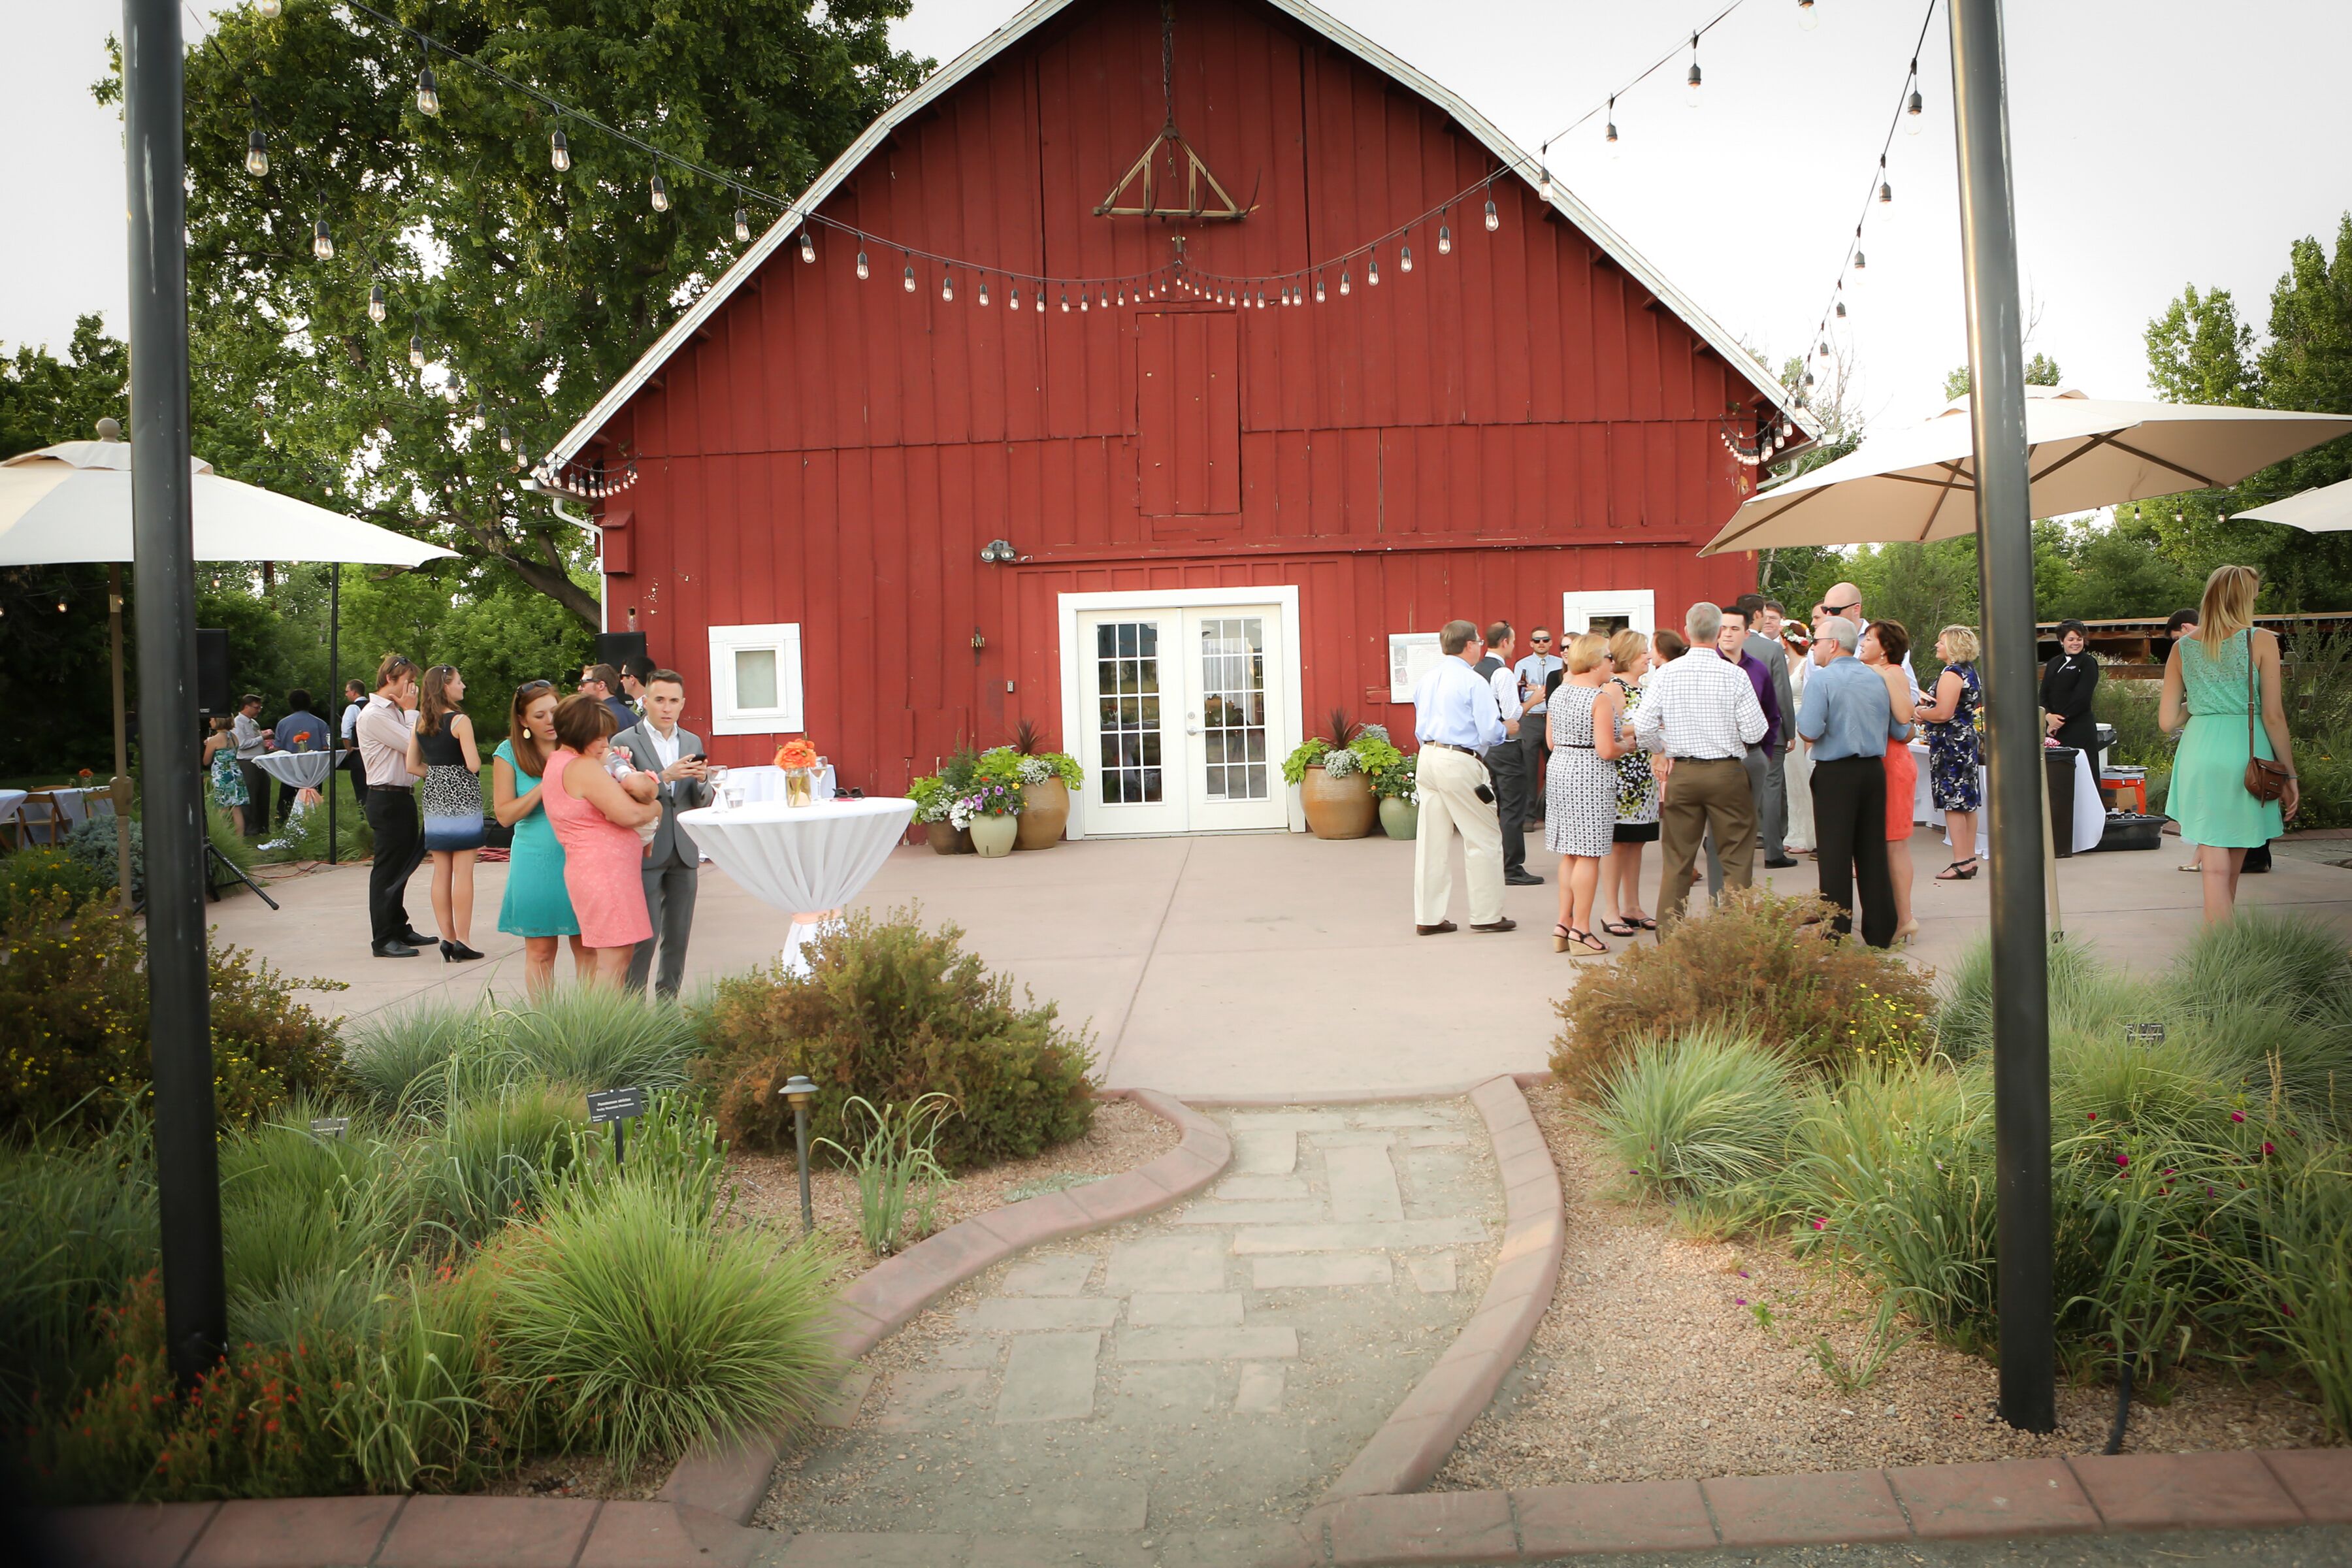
(1772, 804)
(656, 744)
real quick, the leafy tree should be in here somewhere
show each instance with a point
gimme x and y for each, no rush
(2040, 371)
(529, 290)
(45, 400)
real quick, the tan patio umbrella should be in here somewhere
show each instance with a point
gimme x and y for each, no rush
(2327, 510)
(1920, 483)
(71, 503)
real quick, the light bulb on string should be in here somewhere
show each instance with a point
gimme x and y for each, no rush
(808, 243)
(1122, 295)
(1886, 191)
(257, 153)
(1404, 260)
(270, 9)
(910, 277)
(1788, 427)
(1691, 82)
(375, 304)
(506, 439)
(1911, 114)
(1494, 218)
(1372, 270)
(1065, 301)
(1445, 240)
(660, 195)
(1319, 287)
(1082, 299)
(1809, 14)
(322, 245)
(1861, 262)
(1841, 308)
(1012, 300)
(947, 287)
(416, 348)
(1344, 286)
(1543, 175)
(742, 226)
(558, 152)
(1609, 137)
(1038, 299)
(983, 290)
(429, 92)
(1261, 299)
(865, 269)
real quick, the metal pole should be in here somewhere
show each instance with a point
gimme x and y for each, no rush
(179, 1030)
(118, 787)
(335, 698)
(2005, 559)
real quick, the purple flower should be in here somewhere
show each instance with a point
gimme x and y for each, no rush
(2268, 1149)
(2237, 1116)
(1739, 1301)
(1821, 1225)
(2123, 1159)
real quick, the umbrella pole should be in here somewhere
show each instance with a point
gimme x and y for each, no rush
(179, 1014)
(2005, 563)
(335, 685)
(118, 787)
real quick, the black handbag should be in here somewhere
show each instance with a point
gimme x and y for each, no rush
(2266, 780)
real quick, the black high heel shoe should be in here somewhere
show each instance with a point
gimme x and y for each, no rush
(457, 952)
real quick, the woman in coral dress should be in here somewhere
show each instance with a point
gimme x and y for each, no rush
(1885, 647)
(596, 817)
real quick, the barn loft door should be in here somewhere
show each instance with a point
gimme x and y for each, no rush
(1188, 415)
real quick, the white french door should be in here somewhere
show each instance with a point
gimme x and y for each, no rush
(1179, 709)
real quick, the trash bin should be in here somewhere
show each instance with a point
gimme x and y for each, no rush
(2105, 748)
(2060, 762)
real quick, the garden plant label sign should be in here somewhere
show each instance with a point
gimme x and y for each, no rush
(331, 1126)
(614, 1104)
(2145, 1034)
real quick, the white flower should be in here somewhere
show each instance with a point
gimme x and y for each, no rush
(1339, 763)
(1035, 769)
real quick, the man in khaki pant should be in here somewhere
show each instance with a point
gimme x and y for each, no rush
(1698, 716)
(1456, 719)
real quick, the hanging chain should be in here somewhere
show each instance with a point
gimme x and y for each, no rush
(1168, 56)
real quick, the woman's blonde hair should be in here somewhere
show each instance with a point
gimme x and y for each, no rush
(1963, 643)
(1585, 651)
(2228, 606)
(1626, 647)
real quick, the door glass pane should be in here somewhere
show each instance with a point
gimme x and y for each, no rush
(755, 678)
(1128, 666)
(1232, 707)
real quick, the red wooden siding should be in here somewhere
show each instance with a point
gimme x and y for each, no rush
(1473, 438)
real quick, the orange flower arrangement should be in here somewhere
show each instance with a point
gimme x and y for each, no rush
(798, 753)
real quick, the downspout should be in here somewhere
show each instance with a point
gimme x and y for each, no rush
(555, 504)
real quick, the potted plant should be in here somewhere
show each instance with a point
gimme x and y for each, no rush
(1046, 779)
(799, 762)
(935, 796)
(991, 811)
(1334, 775)
(1398, 788)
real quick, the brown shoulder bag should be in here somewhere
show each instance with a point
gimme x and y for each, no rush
(2266, 780)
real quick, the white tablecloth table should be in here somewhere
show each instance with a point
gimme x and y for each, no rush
(10, 799)
(303, 770)
(808, 860)
(2090, 810)
(767, 782)
(82, 802)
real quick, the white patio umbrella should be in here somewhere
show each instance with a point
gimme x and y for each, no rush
(2327, 510)
(1920, 483)
(71, 503)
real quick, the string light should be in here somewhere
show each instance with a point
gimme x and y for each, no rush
(947, 287)
(1610, 136)
(558, 152)
(416, 346)
(429, 92)
(1543, 175)
(1372, 271)
(864, 268)
(269, 9)
(660, 192)
(1691, 82)
(506, 439)
(375, 304)
(1065, 301)
(1494, 218)
(321, 245)
(808, 245)
(1082, 298)
(1037, 300)
(1886, 191)
(1841, 308)
(1445, 240)
(1319, 287)
(1911, 114)
(257, 154)
(1012, 301)
(1809, 15)
(983, 290)
(910, 277)
(1404, 260)
(1343, 283)
(742, 226)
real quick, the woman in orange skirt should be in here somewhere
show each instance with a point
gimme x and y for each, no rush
(1885, 644)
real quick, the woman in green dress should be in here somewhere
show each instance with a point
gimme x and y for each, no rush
(2210, 686)
(536, 908)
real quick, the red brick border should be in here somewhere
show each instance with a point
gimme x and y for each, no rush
(1413, 1442)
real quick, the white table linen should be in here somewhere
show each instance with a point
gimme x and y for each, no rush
(808, 860)
(82, 802)
(766, 783)
(303, 770)
(10, 801)
(2090, 810)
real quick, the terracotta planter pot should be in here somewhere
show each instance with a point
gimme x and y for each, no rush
(1338, 809)
(1044, 812)
(992, 836)
(1400, 818)
(947, 838)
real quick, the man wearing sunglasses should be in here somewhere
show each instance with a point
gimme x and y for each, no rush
(1845, 599)
(1533, 672)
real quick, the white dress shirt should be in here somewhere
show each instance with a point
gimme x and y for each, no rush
(665, 746)
(1453, 706)
(1699, 706)
(1506, 685)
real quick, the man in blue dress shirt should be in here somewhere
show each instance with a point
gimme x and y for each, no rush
(1846, 720)
(1455, 720)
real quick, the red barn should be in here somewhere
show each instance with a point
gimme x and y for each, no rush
(1169, 517)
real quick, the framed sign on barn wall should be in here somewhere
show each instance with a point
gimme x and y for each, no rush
(755, 679)
(1412, 655)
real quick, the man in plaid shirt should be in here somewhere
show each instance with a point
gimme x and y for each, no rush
(1698, 716)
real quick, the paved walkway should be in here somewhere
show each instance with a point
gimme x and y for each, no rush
(1212, 1366)
(1192, 957)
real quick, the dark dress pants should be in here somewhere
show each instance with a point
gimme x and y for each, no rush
(1507, 764)
(399, 847)
(353, 765)
(669, 904)
(1533, 753)
(1850, 840)
(257, 808)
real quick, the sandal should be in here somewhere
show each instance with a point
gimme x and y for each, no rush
(1620, 928)
(1952, 873)
(1644, 921)
(1587, 945)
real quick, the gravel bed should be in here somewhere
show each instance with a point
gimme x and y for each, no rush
(1654, 1364)
(1123, 1136)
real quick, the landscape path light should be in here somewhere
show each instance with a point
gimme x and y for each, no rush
(800, 1091)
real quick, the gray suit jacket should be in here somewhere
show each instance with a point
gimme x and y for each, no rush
(1775, 658)
(669, 848)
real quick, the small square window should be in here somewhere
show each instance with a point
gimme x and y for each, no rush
(755, 679)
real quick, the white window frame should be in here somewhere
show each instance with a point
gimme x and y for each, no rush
(729, 719)
(1638, 605)
(1289, 724)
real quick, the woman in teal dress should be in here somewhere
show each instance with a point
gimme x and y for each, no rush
(2211, 681)
(536, 908)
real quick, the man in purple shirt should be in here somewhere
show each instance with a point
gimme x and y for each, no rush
(1728, 641)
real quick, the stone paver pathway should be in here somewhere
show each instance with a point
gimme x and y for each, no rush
(1213, 1365)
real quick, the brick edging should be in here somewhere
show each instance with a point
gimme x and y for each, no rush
(1412, 1444)
(730, 1481)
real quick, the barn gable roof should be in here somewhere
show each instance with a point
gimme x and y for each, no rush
(944, 80)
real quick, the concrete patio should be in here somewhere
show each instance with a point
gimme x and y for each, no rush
(1250, 964)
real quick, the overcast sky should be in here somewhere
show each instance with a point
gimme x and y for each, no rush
(2158, 143)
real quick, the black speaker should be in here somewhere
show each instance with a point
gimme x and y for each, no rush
(617, 649)
(212, 673)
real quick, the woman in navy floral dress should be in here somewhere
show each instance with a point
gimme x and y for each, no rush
(1953, 752)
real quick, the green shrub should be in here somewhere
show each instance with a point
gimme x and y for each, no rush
(2303, 1269)
(2079, 991)
(1760, 965)
(1706, 1115)
(304, 835)
(2323, 770)
(80, 1223)
(426, 1055)
(899, 1181)
(31, 877)
(628, 1324)
(92, 843)
(891, 1012)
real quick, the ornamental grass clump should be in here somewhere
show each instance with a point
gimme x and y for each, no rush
(1703, 1119)
(891, 1012)
(432, 1054)
(1761, 965)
